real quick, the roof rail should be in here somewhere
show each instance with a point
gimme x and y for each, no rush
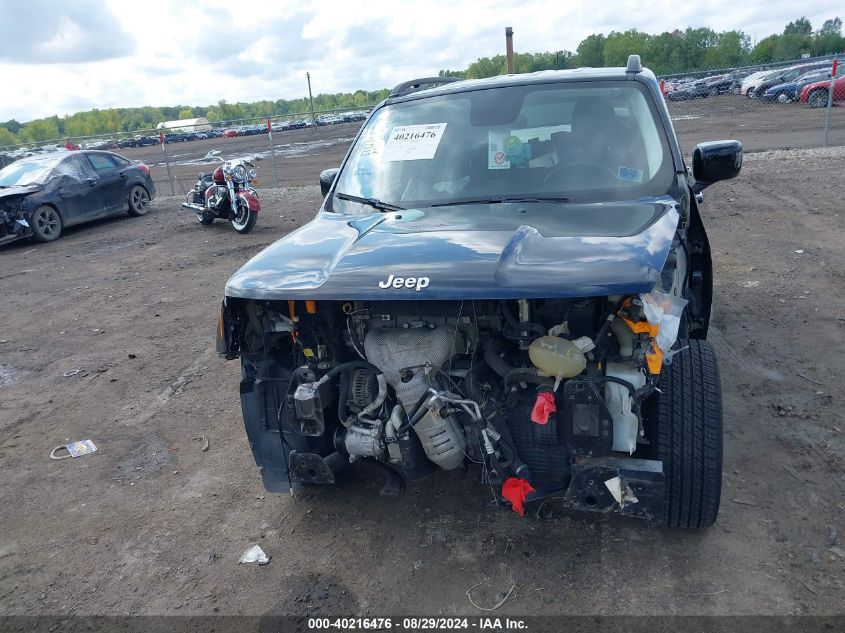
(634, 64)
(407, 87)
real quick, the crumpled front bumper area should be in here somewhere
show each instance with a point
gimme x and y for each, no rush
(13, 226)
(633, 487)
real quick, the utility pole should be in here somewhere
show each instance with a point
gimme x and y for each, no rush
(509, 48)
(311, 99)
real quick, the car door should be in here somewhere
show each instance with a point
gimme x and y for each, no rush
(79, 198)
(111, 181)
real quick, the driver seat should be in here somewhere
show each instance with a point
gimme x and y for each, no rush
(593, 136)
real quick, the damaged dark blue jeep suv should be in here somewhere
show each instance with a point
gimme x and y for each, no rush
(510, 272)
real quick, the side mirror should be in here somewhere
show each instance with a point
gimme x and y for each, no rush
(715, 161)
(327, 177)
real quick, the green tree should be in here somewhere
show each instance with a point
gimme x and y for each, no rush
(792, 46)
(764, 51)
(40, 130)
(590, 51)
(186, 113)
(696, 42)
(829, 27)
(828, 39)
(618, 46)
(801, 26)
(13, 126)
(487, 67)
(732, 49)
(7, 138)
(664, 53)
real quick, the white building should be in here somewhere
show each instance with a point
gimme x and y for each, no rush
(185, 125)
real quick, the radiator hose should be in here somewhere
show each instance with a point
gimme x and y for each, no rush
(493, 414)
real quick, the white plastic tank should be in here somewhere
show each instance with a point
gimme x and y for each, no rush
(618, 400)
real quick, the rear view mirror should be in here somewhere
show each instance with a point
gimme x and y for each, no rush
(327, 177)
(715, 161)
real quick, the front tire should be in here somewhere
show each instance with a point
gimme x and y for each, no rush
(686, 435)
(138, 201)
(245, 220)
(818, 98)
(783, 97)
(46, 224)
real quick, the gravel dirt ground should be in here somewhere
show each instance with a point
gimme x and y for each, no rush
(107, 334)
(760, 125)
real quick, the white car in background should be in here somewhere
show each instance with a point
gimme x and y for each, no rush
(752, 82)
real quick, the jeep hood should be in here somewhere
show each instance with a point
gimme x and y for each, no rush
(498, 251)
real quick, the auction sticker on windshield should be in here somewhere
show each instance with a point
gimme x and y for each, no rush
(413, 142)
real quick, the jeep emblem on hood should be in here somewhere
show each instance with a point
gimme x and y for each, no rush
(417, 283)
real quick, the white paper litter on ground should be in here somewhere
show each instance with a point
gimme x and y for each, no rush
(254, 555)
(80, 448)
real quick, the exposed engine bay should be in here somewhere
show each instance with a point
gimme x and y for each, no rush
(530, 389)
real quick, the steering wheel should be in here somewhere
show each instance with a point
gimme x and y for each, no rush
(590, 165)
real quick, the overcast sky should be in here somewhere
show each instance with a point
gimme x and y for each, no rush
(60, 58)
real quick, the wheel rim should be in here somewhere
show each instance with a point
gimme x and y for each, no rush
(140, 199)
(47, 222)
(816, 99)
(783, 97)
(240, 220)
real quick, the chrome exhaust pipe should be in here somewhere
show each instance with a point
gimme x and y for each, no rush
(194, 206)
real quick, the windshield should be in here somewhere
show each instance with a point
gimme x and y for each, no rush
(582, 141)
(28, 172)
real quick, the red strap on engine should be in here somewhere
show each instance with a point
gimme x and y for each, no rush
(515, 490)
(544, 406)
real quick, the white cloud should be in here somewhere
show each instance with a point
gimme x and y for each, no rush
(196, 52)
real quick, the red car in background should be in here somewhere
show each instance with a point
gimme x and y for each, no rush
(230, 133)
(815, 94)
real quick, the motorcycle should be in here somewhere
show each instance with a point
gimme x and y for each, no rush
(226, 194)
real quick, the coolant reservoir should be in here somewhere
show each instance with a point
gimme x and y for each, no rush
(556, 356)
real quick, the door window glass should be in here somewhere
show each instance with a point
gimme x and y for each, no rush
(102, 164)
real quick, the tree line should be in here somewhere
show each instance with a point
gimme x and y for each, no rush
(670, 52)
(132, 120)
(693, 49)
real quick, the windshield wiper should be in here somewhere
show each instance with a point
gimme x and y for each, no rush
(502, 199)
(371, 202)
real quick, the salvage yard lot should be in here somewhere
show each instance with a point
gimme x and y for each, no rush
(152, 524)
(301, 154)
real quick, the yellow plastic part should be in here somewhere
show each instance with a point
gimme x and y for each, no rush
(653, 358)
(643, 327)
(291, 309)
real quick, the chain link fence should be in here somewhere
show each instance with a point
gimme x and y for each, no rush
(188, 150)
(784, 105)
(779, 106)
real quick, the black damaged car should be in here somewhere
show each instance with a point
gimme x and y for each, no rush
(42, 195)
(507, 275)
